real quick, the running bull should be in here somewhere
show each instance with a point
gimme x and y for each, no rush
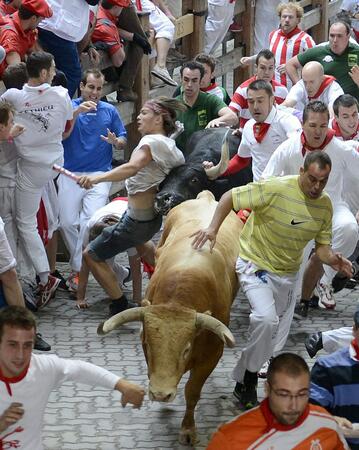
(187, 304)
(186, 181)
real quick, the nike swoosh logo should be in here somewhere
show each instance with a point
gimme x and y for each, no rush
(293, 222)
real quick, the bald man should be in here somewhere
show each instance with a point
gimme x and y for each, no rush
(314, 85)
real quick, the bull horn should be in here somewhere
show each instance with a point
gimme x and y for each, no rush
(217, 170)
(217, 327)
(129, 315)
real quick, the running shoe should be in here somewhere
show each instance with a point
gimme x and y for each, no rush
(326, 296)
(47, 291)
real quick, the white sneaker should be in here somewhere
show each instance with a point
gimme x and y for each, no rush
(264, 369)
(162, 74)
(326, 296)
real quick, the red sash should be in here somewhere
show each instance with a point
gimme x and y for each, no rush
(306, 147)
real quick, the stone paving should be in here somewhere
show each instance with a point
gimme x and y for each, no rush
(79, 417)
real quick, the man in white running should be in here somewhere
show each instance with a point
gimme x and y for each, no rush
(44, 112)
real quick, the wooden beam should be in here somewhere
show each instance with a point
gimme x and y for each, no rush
(194, 43)
(239, 7)
(228, 62)
(310, 19)
(184, 26)
(320, 31)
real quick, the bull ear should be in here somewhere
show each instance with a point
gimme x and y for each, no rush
(129, 315)
(146, 302)
(207, 322)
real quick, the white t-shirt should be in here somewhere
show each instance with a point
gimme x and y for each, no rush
(70, 19)
(165, 156)
(288, 159)
(282, 125)
(299, 94)
(116, 208)
(45, 373)
(43, 111)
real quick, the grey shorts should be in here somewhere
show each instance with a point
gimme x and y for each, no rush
(125, 234)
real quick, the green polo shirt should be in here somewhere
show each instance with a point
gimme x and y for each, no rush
(336, 65)
(196, 117)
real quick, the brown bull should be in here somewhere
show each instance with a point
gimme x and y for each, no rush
(187, 306)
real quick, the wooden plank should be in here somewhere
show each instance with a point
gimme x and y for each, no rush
(228, 62)
(334, 8)
(320, 31)
(239, 7)
(193, 44)
(304, 3)
(184, 26)
(310, 19)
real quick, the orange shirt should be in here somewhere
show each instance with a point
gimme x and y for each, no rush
(257, 429)
(14, 39)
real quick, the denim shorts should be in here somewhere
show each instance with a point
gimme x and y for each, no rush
(125, 234)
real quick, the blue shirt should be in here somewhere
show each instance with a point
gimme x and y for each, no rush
(84, 150)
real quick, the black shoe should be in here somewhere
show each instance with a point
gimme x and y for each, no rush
(62, 285)
(40, 344)
(339, 282)
(129, 276)
(314, 343)
(301, 310)
(117, 306)
(246, 395)
(314, 302)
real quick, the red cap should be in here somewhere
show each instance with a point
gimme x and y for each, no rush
(122, 3)
(38, 7)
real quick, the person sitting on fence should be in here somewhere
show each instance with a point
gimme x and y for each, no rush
(18, 32)
(203, 110)
(106, 34)
(162, 22)
(265, 68)
(9, 7)
(314, 85)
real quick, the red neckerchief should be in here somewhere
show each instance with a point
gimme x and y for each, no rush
(328, 80)
(138, 5)
(260, 130)
(306, 147)
(208, 88)
(272, 422)
(356, 348)
(338, 133)
(8, 381)
(290, 34)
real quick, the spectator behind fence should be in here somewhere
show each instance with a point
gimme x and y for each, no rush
(18, 32)
(60, 35)
(285, 419)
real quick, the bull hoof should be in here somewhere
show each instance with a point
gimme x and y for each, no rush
(188, 436)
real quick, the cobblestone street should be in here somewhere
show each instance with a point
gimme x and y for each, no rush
(79, 417)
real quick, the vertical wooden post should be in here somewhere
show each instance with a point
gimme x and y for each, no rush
(194, 43)
(320, 31)
(142, 88)
(248, 23)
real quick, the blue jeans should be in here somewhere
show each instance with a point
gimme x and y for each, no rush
(125, 234)
(66, 57)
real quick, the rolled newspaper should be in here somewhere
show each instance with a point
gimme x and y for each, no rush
(65, 172)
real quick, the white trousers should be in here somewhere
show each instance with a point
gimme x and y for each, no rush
(76, 206)
(30, 181)
(220, 16)
(7, 260)
(333, 340)
(162, 25)
(266, 20)
(345, 236)
(272, 301)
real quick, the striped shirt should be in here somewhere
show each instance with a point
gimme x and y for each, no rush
(335, 385)
(257, 429)
(239, 102)
(286, 46)
(282, 222)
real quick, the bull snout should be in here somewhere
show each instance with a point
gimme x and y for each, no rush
(165, 201)
(162, 394)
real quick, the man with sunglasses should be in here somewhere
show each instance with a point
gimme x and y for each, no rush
(284, 419)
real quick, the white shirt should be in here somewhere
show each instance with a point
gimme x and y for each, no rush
(282, 125)
(116, 208)
(45, 373)
(43, 111)
(299, 94)
(288, 159)
(70, 19)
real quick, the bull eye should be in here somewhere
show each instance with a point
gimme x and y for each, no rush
(194, 180)
(186, 351)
